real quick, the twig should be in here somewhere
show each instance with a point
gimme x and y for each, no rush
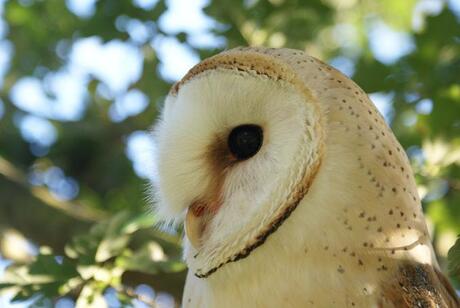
(128, 291)
(76, 210)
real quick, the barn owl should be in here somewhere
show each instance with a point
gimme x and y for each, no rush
(293, 190)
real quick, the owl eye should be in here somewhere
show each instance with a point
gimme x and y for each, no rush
(245, 141)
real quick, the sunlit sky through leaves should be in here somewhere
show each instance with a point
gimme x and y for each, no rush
(118, 64)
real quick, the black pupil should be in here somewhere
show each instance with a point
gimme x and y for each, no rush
(245, 141)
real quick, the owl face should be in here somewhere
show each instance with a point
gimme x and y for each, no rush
(237, 150)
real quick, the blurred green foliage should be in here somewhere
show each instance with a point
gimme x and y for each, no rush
(454, 259)
(102, 238)
(92, 262)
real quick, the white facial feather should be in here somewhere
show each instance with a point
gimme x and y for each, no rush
(205, 108)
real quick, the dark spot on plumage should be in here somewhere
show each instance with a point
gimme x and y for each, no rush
(340, 269)
(419, 285)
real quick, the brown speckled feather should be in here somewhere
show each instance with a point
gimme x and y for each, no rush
(418, 285)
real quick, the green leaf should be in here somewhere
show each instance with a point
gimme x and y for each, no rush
(49, 265)
(109, 238)
(91, 296)
(42, 302)
(454, 259)
(23, 294)
(83, 247)
(45, 275)
(15, 274)
(116, 236)
(111, 246)
(149, 259)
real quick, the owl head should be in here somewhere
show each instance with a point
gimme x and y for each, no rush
(244, 136)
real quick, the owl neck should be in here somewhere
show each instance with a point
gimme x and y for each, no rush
(330, 242)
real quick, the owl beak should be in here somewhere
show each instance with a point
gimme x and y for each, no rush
(198, 214)
(193, 228)
(197, 218)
